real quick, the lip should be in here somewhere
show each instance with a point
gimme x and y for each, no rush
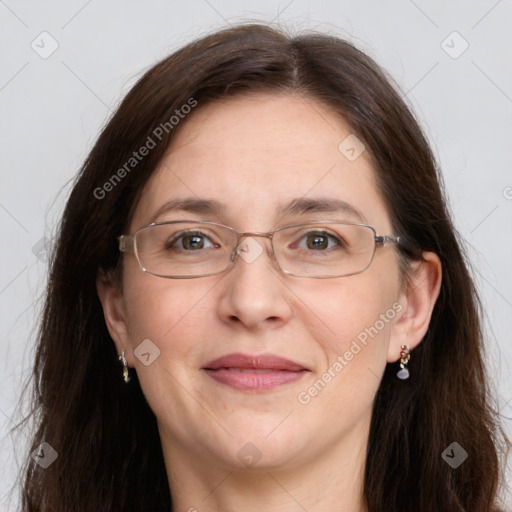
(254, 373)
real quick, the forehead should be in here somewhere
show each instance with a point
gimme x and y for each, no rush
(257, 153)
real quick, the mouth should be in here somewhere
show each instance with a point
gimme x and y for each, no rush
(254, 373)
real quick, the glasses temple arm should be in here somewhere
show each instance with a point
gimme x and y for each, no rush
(384, 240)
(125, 243)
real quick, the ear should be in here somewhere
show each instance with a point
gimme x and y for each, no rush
(418, 300)
(112, 301)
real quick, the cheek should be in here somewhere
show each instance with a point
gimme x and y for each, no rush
(168, 313)
(159, 308)
(355, 308)
(172, 315)
(352, 323)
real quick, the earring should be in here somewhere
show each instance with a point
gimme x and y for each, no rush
(405, 355)
(126, 376)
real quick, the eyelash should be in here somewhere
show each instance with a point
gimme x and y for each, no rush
(169, 244)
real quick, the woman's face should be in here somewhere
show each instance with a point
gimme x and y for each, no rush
(254, 154)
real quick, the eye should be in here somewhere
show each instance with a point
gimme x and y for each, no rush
(318, 240)
(189, 241)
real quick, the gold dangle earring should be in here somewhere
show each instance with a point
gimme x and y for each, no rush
(405, 355)
(126, 375)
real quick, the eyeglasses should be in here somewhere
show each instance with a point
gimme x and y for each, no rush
(186, 249)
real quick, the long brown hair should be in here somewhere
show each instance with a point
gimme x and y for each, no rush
(105, 434)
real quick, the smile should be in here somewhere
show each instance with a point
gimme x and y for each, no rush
(254, 373)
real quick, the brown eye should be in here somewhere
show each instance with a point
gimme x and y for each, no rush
(189, 241)
(193, 242)
(317, 242)
(320, 240)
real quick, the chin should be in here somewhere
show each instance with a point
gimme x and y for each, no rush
(256, 450)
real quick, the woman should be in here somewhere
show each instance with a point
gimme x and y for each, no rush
(258, 300)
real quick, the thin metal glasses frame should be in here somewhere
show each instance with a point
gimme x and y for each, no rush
(128, 243)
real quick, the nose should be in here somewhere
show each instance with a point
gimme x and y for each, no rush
(254, 294)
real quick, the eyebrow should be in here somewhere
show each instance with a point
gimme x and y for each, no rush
(298, 206)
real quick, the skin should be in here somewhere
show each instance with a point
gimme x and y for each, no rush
(252, 153)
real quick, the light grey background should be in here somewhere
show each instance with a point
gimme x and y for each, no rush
(53, 108)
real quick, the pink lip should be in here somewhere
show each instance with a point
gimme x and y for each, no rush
(254, 373)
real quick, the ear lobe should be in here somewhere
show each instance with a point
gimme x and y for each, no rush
(112, 301)
(419, 299)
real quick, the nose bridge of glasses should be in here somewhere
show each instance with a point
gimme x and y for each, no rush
(255, 233)
(241, 238)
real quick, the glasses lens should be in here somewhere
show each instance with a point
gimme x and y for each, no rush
(324, 250)
(183, 248)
